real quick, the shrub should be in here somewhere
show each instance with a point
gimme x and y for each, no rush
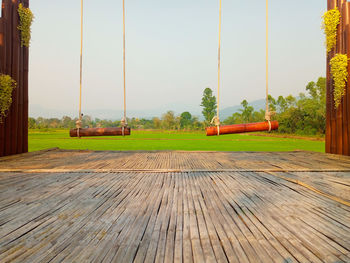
(25, 18)
(331, 20)
(339, 71)
(7, 84)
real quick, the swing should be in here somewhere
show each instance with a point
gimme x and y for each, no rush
(83, 132)
(267, 125)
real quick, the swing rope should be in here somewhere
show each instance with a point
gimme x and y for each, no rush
(216, 119)
(267, 111)
(79, 121)
(124, 120)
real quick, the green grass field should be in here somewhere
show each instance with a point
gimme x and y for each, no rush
(170, 140)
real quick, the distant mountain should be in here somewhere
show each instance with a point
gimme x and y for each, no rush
(36, 111)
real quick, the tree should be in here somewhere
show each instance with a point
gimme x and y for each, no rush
(67, 122)
(314, 107)
(185, 119)
(31, 123)
(235, 118)
(156, 122)
(272, 103)
(208, 104)
(54, 123)
(169, 120)
(196, 124)
(247, 111)
(42, 123)
(291, 101)
(282, 104)
(305, 115)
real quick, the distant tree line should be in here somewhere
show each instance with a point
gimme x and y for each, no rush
(168, 121)
(305, 114)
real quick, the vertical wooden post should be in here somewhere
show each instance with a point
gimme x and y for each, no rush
(345, 106)
(15, 65)
(7, 70)
(24, 76)
(337, 124)
(2, 67)
(329, 100)
(338, 112)
(347, 110)
(14, 62)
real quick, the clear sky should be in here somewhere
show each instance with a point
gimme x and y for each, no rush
(172, 51)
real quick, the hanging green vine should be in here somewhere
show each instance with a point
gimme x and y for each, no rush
(7, 84)
(26, 18)
(331, 20)
(339, 71)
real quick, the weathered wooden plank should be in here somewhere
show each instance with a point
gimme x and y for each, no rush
(250, 229)
(186, 238)
(230, 244)
(204, 236)
(197, 250)
(178, 246)
(305, 213)
(68, 240)
(214, 239)
(192, 216)
(263, 212)
(75, 160)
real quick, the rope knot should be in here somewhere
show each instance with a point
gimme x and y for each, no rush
(79, 124)
(216, 122)
(268, 115)
(123, 122)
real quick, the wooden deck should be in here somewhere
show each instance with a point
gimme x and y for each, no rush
(83, 206)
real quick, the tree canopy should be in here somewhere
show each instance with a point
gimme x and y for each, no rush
(305, 114)
(209, 105)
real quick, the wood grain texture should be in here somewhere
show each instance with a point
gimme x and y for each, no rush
(199, 213)
(88, 132)
(242, 128)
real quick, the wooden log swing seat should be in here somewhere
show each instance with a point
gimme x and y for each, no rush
(242, 128)
(88, 132)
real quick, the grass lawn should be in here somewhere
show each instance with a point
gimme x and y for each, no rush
(170, 140)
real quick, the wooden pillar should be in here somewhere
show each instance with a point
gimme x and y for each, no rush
(2, 67)
(337, 125)
(14, 62)
(342, 118)
(24, 75)
(347, 109)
